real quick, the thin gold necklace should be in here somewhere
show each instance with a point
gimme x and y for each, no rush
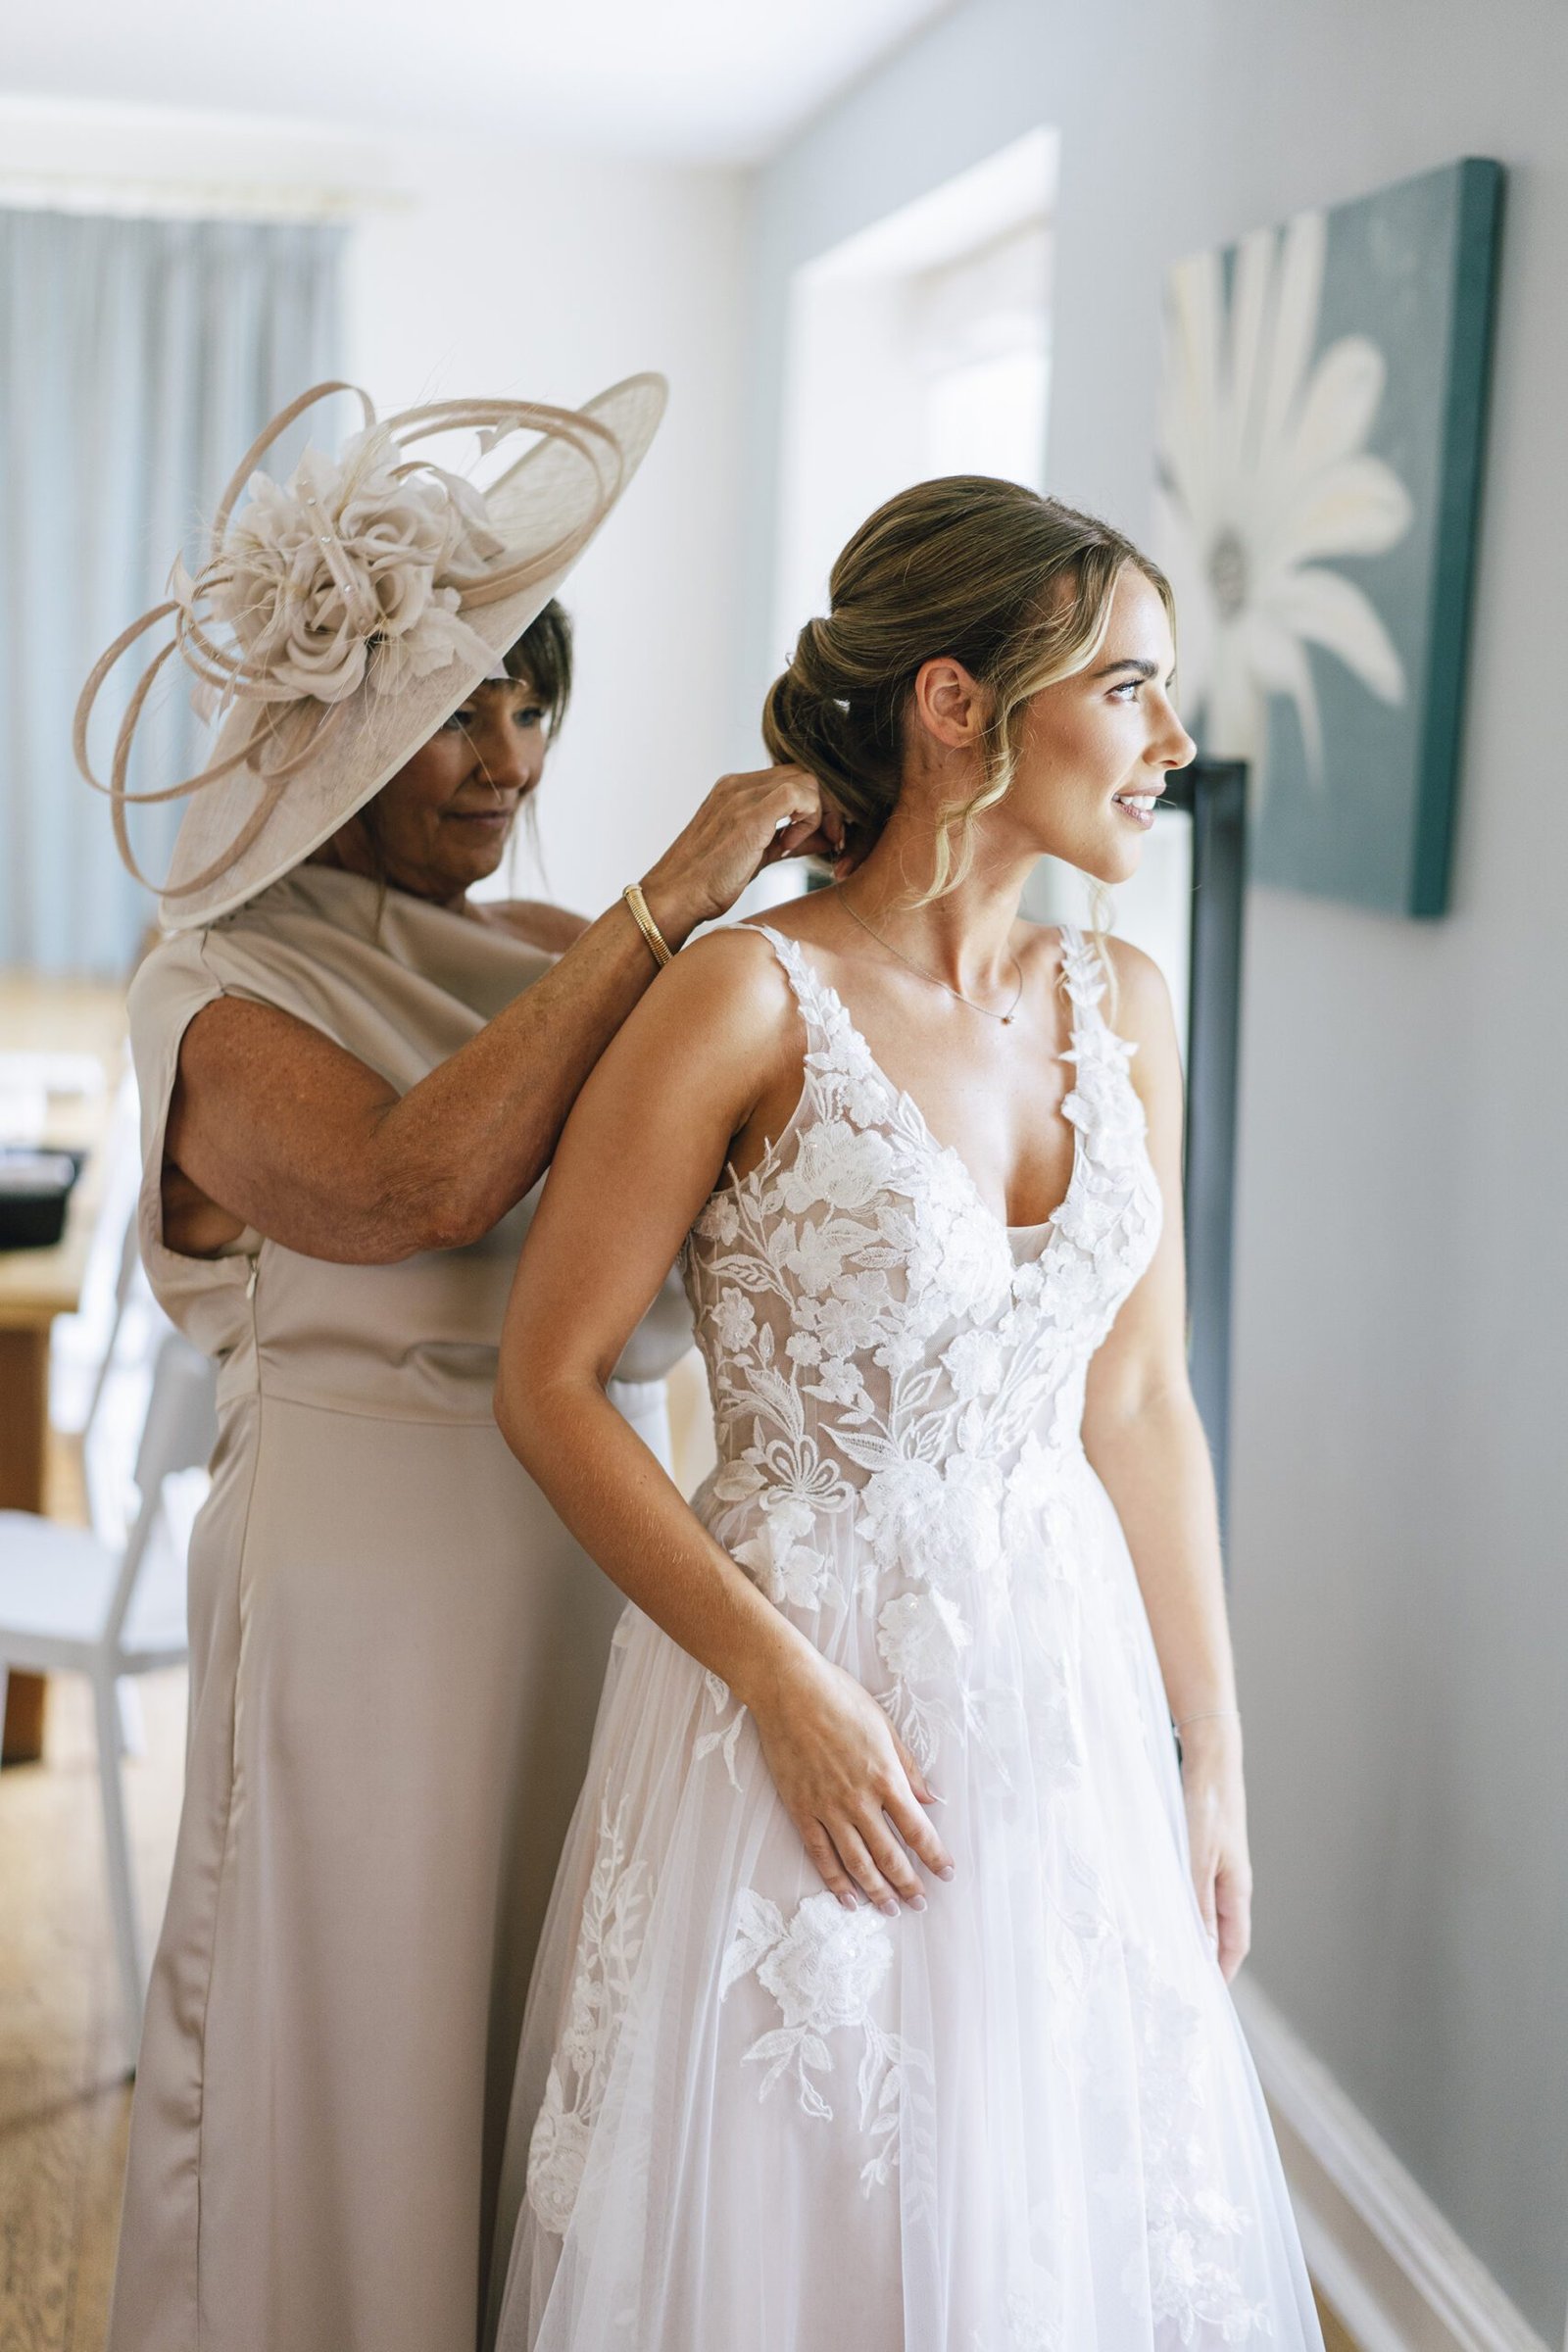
(935, 978)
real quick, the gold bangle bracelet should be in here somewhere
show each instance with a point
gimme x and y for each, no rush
(657, 946)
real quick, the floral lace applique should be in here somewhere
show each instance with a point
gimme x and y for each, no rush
(1191, 2285)
(610, 1942)
(824, 1967)
(1032, 2324)
(727, 1735)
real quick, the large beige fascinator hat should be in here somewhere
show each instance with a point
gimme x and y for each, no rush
(335, 620)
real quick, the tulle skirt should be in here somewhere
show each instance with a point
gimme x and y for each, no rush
(1023, 2119)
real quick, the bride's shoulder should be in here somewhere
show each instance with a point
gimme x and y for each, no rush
(1134, 999)
(730, 978)
(1137, 1006)
(1143, 996)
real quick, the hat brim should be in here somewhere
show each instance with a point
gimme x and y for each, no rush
(547, 496)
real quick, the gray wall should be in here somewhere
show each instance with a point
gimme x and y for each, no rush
(1399, 1597)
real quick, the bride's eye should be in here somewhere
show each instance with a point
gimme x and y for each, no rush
(457, 723)
(1127, 691)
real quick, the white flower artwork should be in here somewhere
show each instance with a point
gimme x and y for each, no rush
(1264, 477)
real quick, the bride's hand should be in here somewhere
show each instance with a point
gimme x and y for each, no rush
(849, 1784)
(1216, 1832)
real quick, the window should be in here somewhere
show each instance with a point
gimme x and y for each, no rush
(919, 346)
(922, 346)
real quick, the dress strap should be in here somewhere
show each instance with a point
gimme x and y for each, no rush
(1083, 970)
(1086, 971)
(811, 994)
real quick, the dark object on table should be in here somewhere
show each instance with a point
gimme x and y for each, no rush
(34, 1190)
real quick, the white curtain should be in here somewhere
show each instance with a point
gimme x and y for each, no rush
(138, 360)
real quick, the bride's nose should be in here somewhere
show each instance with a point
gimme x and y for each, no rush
(1177, 748)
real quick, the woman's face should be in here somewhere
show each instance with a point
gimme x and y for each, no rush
(1094, 747)
(444, 821)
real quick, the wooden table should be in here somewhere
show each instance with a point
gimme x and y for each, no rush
(36, 1284)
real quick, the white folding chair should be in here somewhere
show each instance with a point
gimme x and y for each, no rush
(71, 1603)
(83, 1345)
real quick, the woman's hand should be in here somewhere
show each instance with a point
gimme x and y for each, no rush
(746, 822)
(1217, 1831)
(849, 1784)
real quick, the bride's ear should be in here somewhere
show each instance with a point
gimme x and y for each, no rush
(948, 704)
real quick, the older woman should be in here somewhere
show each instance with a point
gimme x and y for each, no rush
(353, 1075)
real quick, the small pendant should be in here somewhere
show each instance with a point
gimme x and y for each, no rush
(1007, 1020)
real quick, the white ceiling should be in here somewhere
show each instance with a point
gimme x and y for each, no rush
(698, 81)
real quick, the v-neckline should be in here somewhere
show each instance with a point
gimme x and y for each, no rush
(950, 1151)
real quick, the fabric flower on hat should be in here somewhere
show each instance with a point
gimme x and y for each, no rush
(347, 572)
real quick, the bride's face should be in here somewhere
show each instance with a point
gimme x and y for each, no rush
(1094, 747)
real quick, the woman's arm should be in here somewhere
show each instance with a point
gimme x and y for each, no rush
(1144, 1437)
(273, 1125)
(536, 920)
(640, 1155)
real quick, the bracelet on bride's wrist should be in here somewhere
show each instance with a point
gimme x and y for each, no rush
(1211, 1715)
(658, 946)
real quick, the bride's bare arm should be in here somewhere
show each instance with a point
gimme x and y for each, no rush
(1144, 1436)
(715, 1037)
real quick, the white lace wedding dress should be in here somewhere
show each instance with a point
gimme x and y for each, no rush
(1025, 2118)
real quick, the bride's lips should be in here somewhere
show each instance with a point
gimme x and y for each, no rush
(1138, 807)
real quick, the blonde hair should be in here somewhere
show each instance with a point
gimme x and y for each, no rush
(1016, 587)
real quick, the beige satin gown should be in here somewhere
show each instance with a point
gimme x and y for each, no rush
(396, 1659)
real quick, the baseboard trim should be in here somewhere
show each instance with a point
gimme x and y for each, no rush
(1398, 2273)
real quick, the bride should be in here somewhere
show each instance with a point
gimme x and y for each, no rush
(883, 1995)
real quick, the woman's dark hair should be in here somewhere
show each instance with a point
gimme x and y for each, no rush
(543, 656)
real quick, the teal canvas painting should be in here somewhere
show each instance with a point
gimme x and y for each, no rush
(1322, 416)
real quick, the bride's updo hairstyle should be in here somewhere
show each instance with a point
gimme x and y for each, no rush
(1014, 586)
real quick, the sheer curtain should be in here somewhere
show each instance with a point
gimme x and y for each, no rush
(138, 360)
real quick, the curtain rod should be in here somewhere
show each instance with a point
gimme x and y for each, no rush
(199, 200)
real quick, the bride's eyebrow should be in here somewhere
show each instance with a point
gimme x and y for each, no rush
(1140, 669)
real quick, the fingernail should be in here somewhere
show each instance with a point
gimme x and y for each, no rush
(932, 1798)
(849, 1903)
(945, 1872)
(889, 1909)
(917, 1902)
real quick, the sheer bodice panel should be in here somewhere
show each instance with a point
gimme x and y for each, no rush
(898, 1377)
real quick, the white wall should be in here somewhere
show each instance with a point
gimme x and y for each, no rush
(1399, 1594)
(555, 277)
(520, 273)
